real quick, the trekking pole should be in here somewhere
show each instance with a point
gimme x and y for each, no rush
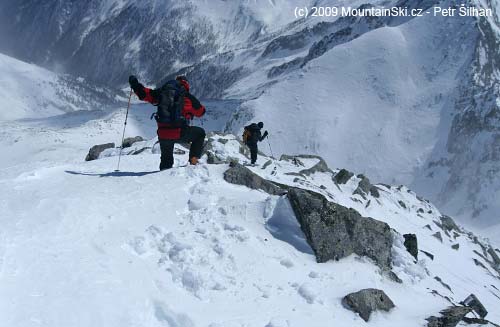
(123, 135)
(270, 149)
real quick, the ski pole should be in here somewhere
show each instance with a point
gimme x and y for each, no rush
(270, 149)
(123, 135)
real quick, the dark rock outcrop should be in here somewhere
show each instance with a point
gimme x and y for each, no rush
(320, 167)
(365, 187)
(448, 224)
(241, 175)
(342, 176)
(128, 141)
(335, 232)
(473, 302)
(411, 244)
(366, 301)
(494, 256)
(450, 317)
(430, 255)
(438, 236)
(96, 150)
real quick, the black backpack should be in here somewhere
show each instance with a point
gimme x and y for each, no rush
(170, 104)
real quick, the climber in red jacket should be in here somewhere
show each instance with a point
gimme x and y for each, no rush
(176, 108)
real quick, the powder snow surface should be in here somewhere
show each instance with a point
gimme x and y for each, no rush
(82, 245)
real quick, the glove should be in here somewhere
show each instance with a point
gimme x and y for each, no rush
(265, 135)
(132, 80)
(137, 87)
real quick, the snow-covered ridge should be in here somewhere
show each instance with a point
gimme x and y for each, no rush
(185, 248)
(224, 228)
(28, 91)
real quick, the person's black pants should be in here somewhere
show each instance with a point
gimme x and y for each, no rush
(253, 151)
(190, 134)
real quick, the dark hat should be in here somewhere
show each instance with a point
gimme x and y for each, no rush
(183, 80)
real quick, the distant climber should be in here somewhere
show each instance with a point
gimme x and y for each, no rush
(252, 135)
(176, 108)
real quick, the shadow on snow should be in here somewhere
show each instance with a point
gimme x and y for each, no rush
(113, 173)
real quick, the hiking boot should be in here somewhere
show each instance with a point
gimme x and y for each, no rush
(193, 160)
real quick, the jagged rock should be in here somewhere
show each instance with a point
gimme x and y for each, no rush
(438, 236)
(455, 246)
(450, 317)
(443, 283)
(402, 204)
(494, 256)
(320, 167)
(136, 152)
(364, 184)
(241, 175)
(374, 191)
(479, 263)
(214, 148)
(411, 244)
(293, 159)
(342, 176)
(334, 231)
(366, 301)
(266, 164)
(430, 255)
(392, 276)
(128, 141)
(448, 224)
(365, 187)
(473, 302)
(212, 158)
(96, 150)
(476, 321)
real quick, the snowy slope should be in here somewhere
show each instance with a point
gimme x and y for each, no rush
(406, 100)
(185, 248)
(28, 91)
(378, 112)
(410, 101)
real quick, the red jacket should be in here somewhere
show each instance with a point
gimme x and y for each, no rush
(190, 110)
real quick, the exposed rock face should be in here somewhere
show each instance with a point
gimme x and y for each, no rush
(320, 167)
(438, 236)
(430, 255)
(366, 301)
(448, 224)
(450, 317)
(411, 244)
(473, 302)
(335, 232)
(342, 176)
(96, 150)
(214, 148)
(365, 187)
(128, 141)
(241, 175)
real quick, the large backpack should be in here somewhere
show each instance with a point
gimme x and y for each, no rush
(170, 104)
(246, 134)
